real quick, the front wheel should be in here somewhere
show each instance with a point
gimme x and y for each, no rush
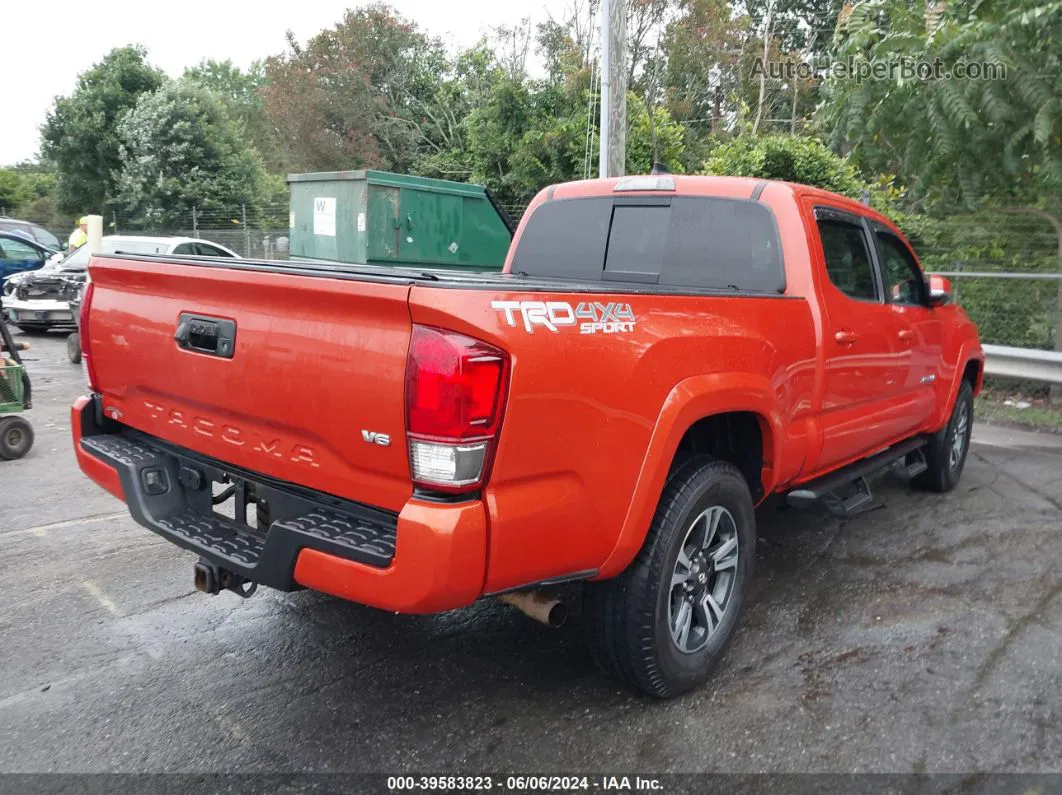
(664, 623)
(947, 449)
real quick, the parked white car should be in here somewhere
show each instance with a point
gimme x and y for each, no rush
(39, 300)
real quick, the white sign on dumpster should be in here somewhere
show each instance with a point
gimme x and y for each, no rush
(324, 216)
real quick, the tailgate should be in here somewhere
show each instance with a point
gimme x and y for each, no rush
(313, 386)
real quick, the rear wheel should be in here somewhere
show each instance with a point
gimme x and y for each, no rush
(73, 348)
(16, 437)
(946, 451)
(664, 623)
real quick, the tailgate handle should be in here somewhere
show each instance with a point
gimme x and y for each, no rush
(212, 336)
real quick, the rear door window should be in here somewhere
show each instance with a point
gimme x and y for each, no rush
(848, 263)
(681, 241)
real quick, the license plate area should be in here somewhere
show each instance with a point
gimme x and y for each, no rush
(235, 499)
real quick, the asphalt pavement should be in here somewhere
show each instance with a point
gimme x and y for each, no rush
(922, 636)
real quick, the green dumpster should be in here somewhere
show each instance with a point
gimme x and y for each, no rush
(379, 218)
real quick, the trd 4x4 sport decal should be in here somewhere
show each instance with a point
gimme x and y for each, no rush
(591, 318)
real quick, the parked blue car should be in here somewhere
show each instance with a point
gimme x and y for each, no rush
(36, 233)
(18, 254)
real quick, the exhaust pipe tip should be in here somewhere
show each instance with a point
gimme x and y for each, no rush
(541, 607)
(558, 615)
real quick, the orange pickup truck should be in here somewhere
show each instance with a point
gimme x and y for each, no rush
(659, 355)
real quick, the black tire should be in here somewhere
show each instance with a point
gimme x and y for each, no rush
(73, 348)
(629, 617)
(945, 469)
(16, 438)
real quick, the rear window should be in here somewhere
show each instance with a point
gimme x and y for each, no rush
(678, 242)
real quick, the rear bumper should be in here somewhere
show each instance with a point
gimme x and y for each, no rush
(430, 557)
(43, 312)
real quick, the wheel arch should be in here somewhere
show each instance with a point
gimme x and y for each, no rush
(722, 415)
(974, 372)
(969, 366)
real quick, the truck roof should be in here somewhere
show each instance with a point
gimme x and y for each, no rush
(700, 185)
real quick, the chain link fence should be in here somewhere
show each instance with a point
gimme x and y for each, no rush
(1023, 310)
(1006, 272)
(254, 232)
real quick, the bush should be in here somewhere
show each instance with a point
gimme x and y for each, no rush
(786, 157)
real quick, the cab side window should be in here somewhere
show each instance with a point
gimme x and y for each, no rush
(848, 262)
(184, 248)
(904, 283)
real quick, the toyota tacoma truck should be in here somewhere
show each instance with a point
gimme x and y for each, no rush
(659, 355)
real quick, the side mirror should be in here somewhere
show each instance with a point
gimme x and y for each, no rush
(939, 290)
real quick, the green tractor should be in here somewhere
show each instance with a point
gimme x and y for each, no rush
(16, 434)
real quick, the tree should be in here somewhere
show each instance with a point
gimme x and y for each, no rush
(27, 187)
(799, 25)
(355, 95)
(955, 141)
(179, 149)
(645, 23)
(652, 138)
(80, 134)
(701, 79)
(560, 52)
(241, 91)
(14, 190)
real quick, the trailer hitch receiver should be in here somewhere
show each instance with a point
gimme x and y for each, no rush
(212, 579)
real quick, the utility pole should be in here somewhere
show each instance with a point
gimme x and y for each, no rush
(763, 65)
(613, 88)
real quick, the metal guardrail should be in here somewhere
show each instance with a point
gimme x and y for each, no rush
(998, 275)
(1026, 363)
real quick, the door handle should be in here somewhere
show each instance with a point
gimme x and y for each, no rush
(906, 335)
(846, 337)
(208, 335)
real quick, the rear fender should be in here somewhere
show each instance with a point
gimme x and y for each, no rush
(691, 400)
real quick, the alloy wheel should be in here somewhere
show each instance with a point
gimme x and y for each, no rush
(702, 583)
(958, 440)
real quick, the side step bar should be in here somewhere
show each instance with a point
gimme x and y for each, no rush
(845, 491)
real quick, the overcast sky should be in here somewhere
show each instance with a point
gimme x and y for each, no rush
(46, 44)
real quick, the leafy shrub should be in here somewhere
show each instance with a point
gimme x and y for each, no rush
(786, 157)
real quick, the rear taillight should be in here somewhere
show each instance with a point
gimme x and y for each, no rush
(83, 333)
(455, 394)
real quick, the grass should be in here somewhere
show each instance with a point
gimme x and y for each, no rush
(1041, 415)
